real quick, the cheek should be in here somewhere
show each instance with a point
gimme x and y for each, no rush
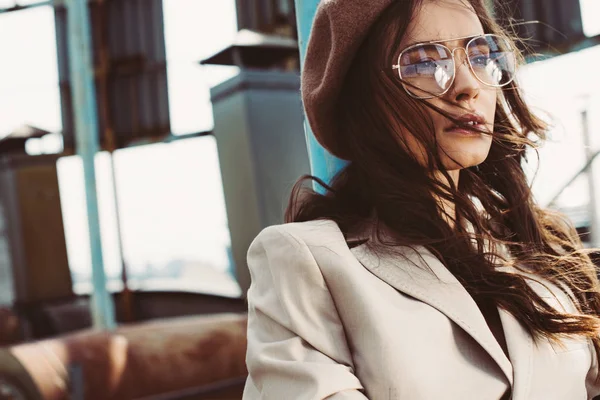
(487, 101)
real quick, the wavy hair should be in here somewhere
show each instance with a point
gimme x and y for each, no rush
(385, 189)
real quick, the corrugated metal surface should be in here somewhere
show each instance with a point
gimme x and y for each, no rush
(130, 66)
(268, 16)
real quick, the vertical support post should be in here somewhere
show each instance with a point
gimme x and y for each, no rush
(86, 134)
(322, 164)
(590, 149)
(126, 295)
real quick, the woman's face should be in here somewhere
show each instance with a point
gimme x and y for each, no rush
(459, 148)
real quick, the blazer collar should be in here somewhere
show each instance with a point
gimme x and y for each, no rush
(422, 276)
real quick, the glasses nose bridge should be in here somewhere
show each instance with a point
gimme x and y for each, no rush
(463, 61)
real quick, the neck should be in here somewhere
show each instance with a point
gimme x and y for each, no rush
(447, 207)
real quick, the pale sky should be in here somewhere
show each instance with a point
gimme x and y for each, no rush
(590, 13)
(172, 204)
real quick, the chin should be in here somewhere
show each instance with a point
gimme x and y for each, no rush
(462, 160)
(466, 155)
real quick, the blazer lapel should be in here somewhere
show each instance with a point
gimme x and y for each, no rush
(422, 276)
(520, 350)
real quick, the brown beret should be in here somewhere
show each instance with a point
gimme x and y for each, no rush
(339, 28)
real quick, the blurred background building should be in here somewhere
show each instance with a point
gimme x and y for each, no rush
(201, 135)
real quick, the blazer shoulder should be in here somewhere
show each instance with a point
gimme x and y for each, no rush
(288, 258)
(309, 233)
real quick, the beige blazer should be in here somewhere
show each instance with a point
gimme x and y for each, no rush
(329, 322)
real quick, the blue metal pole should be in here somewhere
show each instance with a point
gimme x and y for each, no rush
(86, 136)
(323, 165)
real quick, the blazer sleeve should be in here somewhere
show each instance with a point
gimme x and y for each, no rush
(296, 343)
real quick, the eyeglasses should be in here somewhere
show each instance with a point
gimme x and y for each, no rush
(427, 70)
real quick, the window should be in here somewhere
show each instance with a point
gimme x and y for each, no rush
(174, 224)
(173, 221)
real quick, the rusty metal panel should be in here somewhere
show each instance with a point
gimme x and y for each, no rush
(130, 67)
(141, 361)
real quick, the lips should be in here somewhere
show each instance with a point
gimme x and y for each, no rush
(476, 121)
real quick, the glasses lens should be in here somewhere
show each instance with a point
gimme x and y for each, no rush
(426, 70)
(492, 59)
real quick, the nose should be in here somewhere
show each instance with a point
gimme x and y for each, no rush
(466, 86)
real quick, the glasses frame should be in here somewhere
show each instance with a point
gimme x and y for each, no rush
(465, 49)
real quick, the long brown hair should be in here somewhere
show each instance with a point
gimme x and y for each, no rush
(384, 186)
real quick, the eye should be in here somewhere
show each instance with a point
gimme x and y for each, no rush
(480, 60)
(427, 67)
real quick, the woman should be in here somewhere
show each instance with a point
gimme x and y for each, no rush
(426, 270)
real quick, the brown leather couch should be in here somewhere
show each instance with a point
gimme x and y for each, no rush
(201, 357)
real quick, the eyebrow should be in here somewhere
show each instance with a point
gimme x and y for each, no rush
(463, 39)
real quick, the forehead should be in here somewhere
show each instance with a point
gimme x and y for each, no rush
(442, 20)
